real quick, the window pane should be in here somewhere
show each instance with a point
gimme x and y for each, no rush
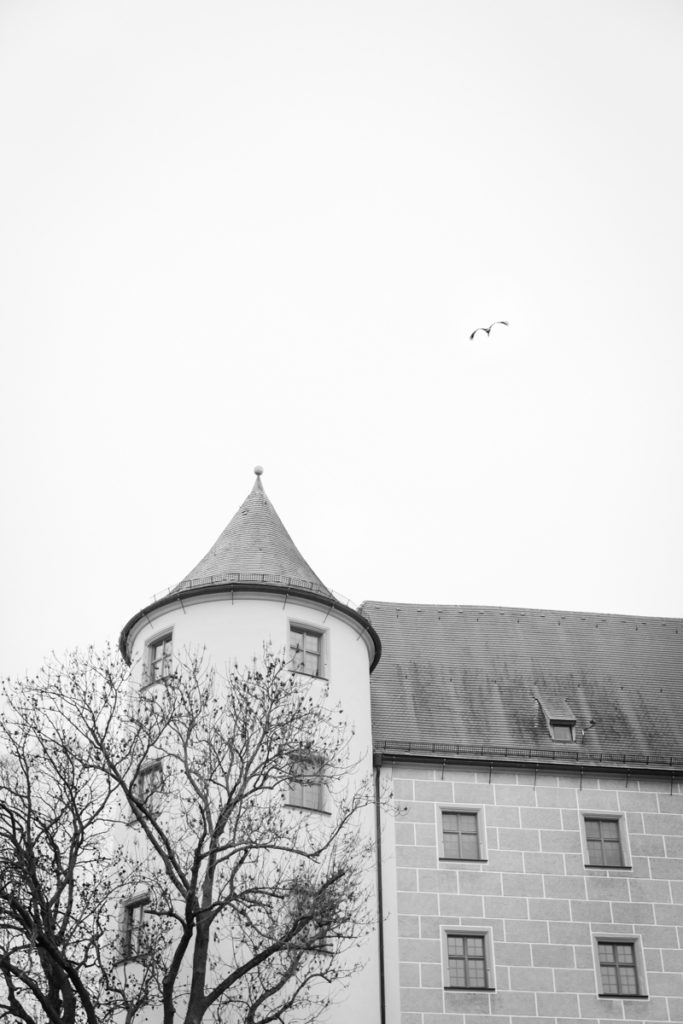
(609, 979)
(451, 846)
(457, 972)
(612, 854)
(629, 983)
(310, 664)
(469, 847)
(594, 851)
(477, 977)
(592, 828)
(312, 643)
(609, 829)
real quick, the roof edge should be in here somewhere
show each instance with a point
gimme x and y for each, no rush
(254, 588)
(529, 757)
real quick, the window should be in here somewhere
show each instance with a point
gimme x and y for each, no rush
(310, 910)
(466, 961)
(460, 835)
(618, 971)
(603, 842)
(148, 785)
(306, 649)
(306, 786)
(160, 655)
(132, 927)
(562, 730)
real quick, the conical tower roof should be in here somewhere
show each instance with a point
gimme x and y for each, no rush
(254, 552)
(254, 548)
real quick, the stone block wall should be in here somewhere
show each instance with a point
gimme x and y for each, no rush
(539, 907)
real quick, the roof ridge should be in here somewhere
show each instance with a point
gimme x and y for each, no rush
(519, 610)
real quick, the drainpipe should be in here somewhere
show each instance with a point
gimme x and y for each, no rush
(380, 904)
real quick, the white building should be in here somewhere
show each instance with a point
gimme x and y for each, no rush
(533, 870)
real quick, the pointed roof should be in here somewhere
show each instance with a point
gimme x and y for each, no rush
(254, 552)
(254, 548)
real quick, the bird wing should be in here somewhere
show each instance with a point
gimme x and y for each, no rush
(475, 331)
(503, 322)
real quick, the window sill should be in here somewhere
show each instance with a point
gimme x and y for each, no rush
(610, 867)
(127, 959)
(154, 682)
(457, 988)
(616, 995)
(311, 810)
(463, 860)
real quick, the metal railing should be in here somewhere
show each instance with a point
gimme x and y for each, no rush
(267, 578)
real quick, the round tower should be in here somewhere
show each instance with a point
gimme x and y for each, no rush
(253, 589)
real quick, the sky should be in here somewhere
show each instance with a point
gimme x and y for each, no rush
(240, 233)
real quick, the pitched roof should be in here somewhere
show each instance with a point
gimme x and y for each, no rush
(457, 675)
(254, 548)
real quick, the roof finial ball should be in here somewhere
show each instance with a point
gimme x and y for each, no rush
(258, 470)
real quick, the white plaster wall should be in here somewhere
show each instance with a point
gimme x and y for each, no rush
(233, 629)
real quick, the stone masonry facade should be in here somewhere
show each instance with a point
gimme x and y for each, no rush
(545, 919)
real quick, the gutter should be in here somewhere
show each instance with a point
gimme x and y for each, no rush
(380, 901)
(582, 767)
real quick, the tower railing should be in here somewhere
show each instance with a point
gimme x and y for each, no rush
(266, 578)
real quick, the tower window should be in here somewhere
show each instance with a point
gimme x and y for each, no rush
(148, 785)
(132, 927)
(306, 785)
(306, 650)
(160, 659)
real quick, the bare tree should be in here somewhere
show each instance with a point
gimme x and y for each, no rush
(243, 843)
(57, 880)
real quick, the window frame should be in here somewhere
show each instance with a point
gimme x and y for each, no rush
(622, 840)
(159, 640)
(637, 963)
(562, 723)
(314, 938)
(296, 788)
(460, 812)
(130, 929)
(308, 630)
(483, 934)
(147, 770)
(478, 813)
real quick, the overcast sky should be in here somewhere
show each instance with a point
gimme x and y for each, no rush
(262, 232)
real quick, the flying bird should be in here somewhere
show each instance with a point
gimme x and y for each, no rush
(488, 329)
